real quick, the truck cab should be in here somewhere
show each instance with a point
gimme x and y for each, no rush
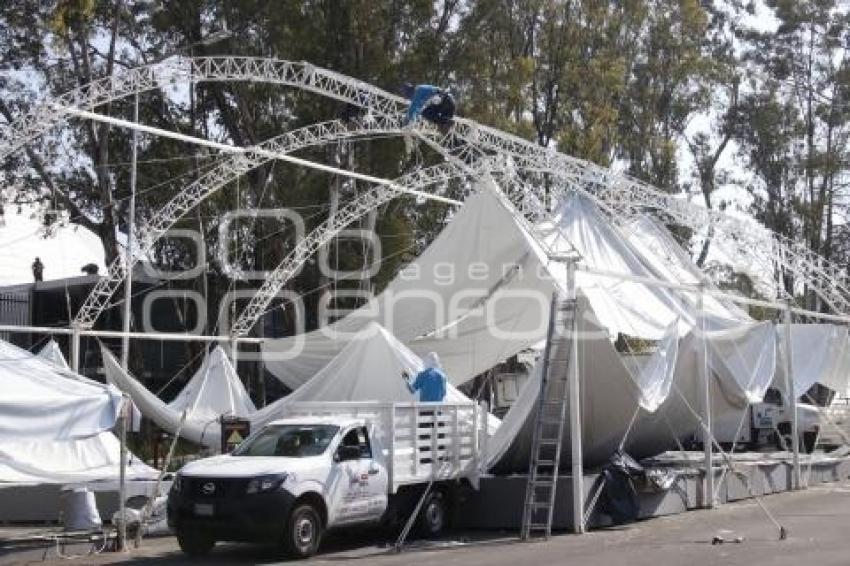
(297, 477)
(772, 422)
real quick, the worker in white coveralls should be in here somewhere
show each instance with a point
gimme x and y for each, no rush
(430, 382)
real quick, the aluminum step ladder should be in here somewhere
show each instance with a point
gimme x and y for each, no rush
(552, 403)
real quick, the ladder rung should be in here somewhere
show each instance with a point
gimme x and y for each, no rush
(538, 526)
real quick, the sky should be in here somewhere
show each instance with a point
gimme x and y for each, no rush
(63, 253)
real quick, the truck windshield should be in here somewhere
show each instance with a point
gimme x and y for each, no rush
(293, 441)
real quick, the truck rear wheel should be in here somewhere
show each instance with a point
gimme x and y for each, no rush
(810, 438)
(434, 515)
(194, 543)
(303, 532)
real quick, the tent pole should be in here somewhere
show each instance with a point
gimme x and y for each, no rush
(128, 251)
(250, 150)
(791, 396)
(702, 360)
(575, 407)
(122, 475)
(234, 352)
(75, 348)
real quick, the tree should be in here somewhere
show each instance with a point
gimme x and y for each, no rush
(801, 81)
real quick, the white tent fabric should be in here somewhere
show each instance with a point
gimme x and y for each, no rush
(476, 296)
(655, 378)
(54, 424)
(741, 365)
(610, 397)
(93, 458)
(623, 306)
(42, 402)
(496, 285)
(214, 390)
(53, 353)
(744, 361)
(663, 255)
(369, 368)
(820, 353)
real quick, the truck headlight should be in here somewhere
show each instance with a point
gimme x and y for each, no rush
(264, 484)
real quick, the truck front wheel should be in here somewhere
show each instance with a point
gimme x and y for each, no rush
(194, 543)
(303, 532)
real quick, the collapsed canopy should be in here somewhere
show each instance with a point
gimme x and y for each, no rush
(820, 353)
(53, 354)
(480, 292)
(663, 255)
(74, 460)
(611, 397)
(43, 402)
(54, 424)
(743, 359)
(214, 390)
(630, 307)
(476, 296)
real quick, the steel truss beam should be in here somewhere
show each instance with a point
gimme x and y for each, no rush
(619, 191)
(327, 231)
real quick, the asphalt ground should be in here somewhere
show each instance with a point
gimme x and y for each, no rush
(817, 521)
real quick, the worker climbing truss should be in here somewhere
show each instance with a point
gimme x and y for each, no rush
(467, 147)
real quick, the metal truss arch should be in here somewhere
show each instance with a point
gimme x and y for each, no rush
(228, 169)
(323, 234)
(827, 279)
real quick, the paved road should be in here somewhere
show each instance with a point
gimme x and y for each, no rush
(818, 522)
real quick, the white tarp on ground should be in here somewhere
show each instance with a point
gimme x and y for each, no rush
(68, 461)
(610, 395)
(369, 368)
(42, 402)
(820, 353)
(482, 282)
(214, 390)
(53, 353)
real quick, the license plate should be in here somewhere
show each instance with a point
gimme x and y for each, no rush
(204, 509)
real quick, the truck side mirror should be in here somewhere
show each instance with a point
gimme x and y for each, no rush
(345, 453)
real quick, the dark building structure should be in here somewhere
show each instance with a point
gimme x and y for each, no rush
(54, 304)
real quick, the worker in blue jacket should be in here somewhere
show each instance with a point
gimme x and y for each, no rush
(430, 102)
(430, 382)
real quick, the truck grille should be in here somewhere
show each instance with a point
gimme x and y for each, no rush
(215, 488)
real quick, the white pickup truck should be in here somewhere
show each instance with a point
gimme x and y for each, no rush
(768, 424)
(329, 465)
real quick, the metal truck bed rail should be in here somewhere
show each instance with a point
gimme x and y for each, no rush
(421, 441)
